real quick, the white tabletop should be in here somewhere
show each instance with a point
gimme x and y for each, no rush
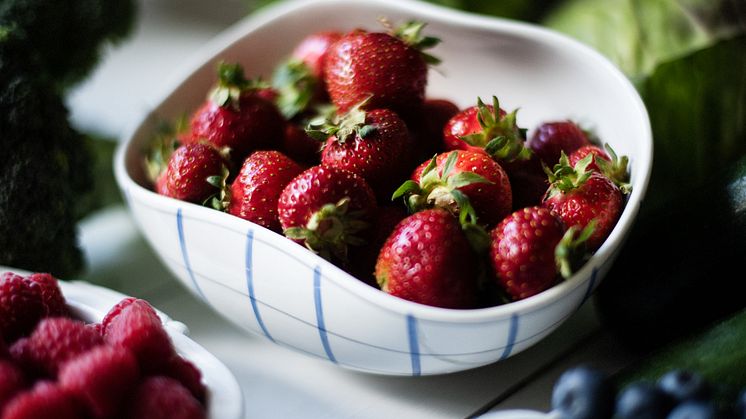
(276, 382)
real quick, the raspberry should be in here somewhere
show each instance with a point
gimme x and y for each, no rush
(45, 401)
(54, 341)
(159, 397)
(188, 375)
(21, 306)
(51, 295)
(100, 378)
(138, 328)
(11, 382)
(114, 312)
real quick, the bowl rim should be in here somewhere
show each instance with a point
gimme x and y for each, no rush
(429, 13)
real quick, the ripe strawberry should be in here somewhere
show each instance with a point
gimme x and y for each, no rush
(256, 189)
(12, 381)
(300, 146)
(427, 126)
(160, 397)
(363, 258)
(374, 144)
(54, 341)
(604, 161)
(428, 259)
(327, 209)
(530, 249)
(579, 196)
(552, 138)
(138, 328)
(195, 172)
(388, 69)
(461, 181)
(46, 400)
(21, 306)
(51, 295)
(234, 116)
(528, 181)
(184, 371)
(100, 378)
(312, 49)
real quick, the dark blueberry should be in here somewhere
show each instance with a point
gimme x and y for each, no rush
(694, 409)
(642, 400)
(583, 393)
(683, 385)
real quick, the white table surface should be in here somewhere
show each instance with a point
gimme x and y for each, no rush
(276, 382)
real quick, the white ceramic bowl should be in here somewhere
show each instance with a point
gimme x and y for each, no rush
(90, 303)
(277, 289)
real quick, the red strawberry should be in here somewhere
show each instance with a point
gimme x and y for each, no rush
(374, 144)
(388, 69)
(528, 181)
(51, 295)
(524, 251)
(312, 50)
(188, 375)
(363, 258)
(160, 397)
(100, 378)
(604, 161)
(256, 189)
(194, 173)
(579, 196)
(12, 381)
(427, 259)
(327, 209)
(46, 400)
(551, 138)
(234, 116)
(460, 180)
(54, 341)
(138, 328)
(427, 126)
(21, 306)
(300, 146)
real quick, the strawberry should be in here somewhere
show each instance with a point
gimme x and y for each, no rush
(184, 371)
(162, 397)
(374, 144)
(363, 258)
(551, 138)
(138, 328)
(528, 180)
(604, 161)
(100, 378)
(51, 295)
(312, 49)
(579, 196)
(427, 126)
(21, 306)
(256, 189)
(300, 146)
(428, 259)
(464, 182)
(54, 341)
(388, 69)
(12, 381)
(195, 173)
(236, 117)
(46, 400)
(327, 209)
(529, 250)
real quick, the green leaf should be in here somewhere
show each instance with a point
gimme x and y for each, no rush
(449, 164)
(465, 178)
(406, 188)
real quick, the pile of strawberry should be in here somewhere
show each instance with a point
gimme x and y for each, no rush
(343, 153)
(57, 367)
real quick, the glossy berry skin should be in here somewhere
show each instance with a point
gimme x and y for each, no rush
(256, 189)
(551, 138)
(462, 124)
(695, 409)
(312, 49)
(583, 393)
(522, 251)
(427, 259)
(51, 295)
(380, 158)
(641, 400)
(189, 168)
(21, 306)
(377, 66)
(683, 385)
(585, 150)
(163, 397)
(46, 400)
(597, 198)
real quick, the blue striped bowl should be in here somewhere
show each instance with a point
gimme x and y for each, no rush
(280, 291)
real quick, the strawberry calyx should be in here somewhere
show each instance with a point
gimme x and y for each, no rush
(351, 124)
(411, 34)
(221, 198)
(500, 136)
(296, 87)
(330, 230)
(571, 249)
(615, 169)
(564, 177)
(231, 84)
(165, 142)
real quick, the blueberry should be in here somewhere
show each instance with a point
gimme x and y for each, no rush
(694, 409)
(684, 385)
(582, 393)
(642, 400)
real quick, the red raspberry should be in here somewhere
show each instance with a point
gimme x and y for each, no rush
(21, 306)
(100, 378)
(12, 381)
(45, 401)
(159, 397)
(51, 295)
(54, 341)
(138, 328)
(114, 312)
(188, 375)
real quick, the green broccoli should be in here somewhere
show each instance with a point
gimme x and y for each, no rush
(46, 166)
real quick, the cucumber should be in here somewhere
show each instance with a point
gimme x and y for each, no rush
(682, 266)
